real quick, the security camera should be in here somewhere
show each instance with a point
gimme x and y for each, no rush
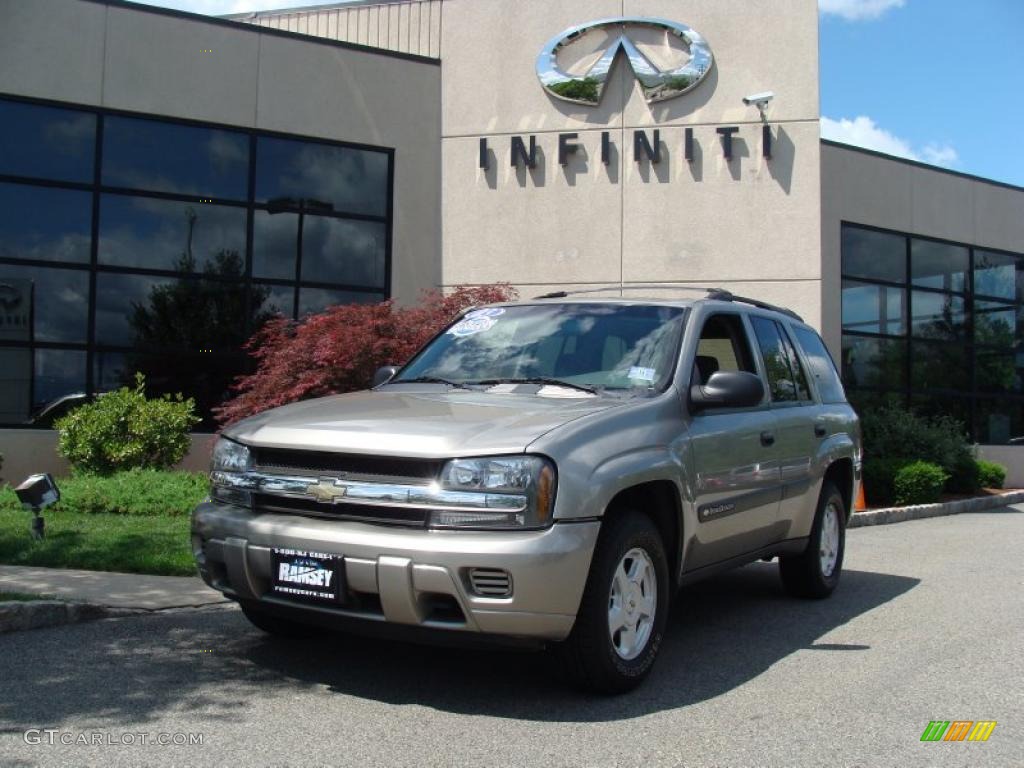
(759, 100)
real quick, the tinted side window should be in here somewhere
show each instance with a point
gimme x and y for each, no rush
(723, 346)
(785, 382)
(823, 368)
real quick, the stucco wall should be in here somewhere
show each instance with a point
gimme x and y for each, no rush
(751, 224)
(140, 60)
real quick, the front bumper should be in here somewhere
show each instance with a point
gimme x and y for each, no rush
(405, 576)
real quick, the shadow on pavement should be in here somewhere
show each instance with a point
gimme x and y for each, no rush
(723, 633)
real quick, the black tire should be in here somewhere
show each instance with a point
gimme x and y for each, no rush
(589, 654)
(803, 575)
(273, 625)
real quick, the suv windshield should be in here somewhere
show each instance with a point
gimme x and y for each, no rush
(589, 346)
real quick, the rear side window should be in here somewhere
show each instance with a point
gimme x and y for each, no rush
(786, 379)
(823, 368)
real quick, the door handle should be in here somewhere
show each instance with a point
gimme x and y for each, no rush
(767, 438)
(820, 430)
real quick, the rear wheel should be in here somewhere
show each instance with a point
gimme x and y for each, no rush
(622, 615)
(272, 625)
(815, 572)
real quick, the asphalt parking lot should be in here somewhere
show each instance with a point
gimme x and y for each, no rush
(926, 625)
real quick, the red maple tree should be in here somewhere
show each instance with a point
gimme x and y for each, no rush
(339, 349)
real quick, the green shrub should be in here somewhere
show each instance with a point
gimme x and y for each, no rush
(895, 434)
(920, 482)
(878, 480)
(990, 474)
(123, 430)
(142, 492)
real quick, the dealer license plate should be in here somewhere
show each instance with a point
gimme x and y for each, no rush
(307, 575)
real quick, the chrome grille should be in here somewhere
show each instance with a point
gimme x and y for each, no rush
(490, 582)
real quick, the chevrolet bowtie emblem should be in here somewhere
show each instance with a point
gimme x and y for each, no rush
(658, 84)
(326, 490)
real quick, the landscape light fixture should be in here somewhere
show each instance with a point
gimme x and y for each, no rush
(36, 493)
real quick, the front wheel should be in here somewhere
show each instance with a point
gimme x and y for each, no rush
(815, 572)
(622, 615)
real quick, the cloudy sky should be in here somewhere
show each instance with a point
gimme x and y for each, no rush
(933, 80)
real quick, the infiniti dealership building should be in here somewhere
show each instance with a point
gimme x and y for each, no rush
(169, 181)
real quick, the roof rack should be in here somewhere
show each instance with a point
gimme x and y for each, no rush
(715, 294)
(719, 294)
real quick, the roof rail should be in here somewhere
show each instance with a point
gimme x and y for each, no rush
(719, 294)
(640, 286)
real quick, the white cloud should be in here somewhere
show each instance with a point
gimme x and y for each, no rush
(858, 10)
(862, 131)
(224, 7)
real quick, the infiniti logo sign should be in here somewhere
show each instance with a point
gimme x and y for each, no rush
(657, 84)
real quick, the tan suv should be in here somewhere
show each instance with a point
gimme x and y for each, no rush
(549, 471)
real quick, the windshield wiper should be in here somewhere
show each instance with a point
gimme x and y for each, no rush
(432, 380)
(541, 380)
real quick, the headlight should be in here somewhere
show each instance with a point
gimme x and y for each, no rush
(521, 490)
(229, 460)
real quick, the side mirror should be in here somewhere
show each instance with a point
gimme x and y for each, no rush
(727, 389)
(384, 375)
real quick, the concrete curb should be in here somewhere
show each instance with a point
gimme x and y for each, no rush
(922, 511)
(18, 615)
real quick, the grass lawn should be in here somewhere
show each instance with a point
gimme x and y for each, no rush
(99, 542)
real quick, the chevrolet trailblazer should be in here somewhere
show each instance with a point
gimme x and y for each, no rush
(549, 470)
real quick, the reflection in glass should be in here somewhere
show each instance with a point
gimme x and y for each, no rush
(956, 408)
(873, 308)
(341, 251)
(318, 299)
(47, 142)
(274, 243)
(1000, 421)
(352, 180)
(15, 385)
(874, 255)
(939, 365)
(45, 224)
(871, 362)
(160, 156)
(157, 234)
(999, 275)
(999, 371)
(280, 299)
(58, 372)
(785, 383)
(939, 265)
(43, 304)
(937, 316)
(997, 324)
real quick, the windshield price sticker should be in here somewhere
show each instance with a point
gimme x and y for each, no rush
(642, 374)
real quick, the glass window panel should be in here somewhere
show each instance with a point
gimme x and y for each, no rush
(999, 371)
(874, 362)
(168, 157)
(270, 300)
(823, 368)
(274, 244)
(998, 325)
(999, 274)
(1000, 421)
(874, 308)
(15, 385)
(864, 400)
(45, 224)
(939, 366)
(939, 265)
(781, 381)
(47, 142)
(956, 408)
(205, 377)
(155, 313)
(38, 304)
(874, 255)
(318, 299)
(342, 251)
(937, 316)
(165, 234)
(350, 180)
(59, 373)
